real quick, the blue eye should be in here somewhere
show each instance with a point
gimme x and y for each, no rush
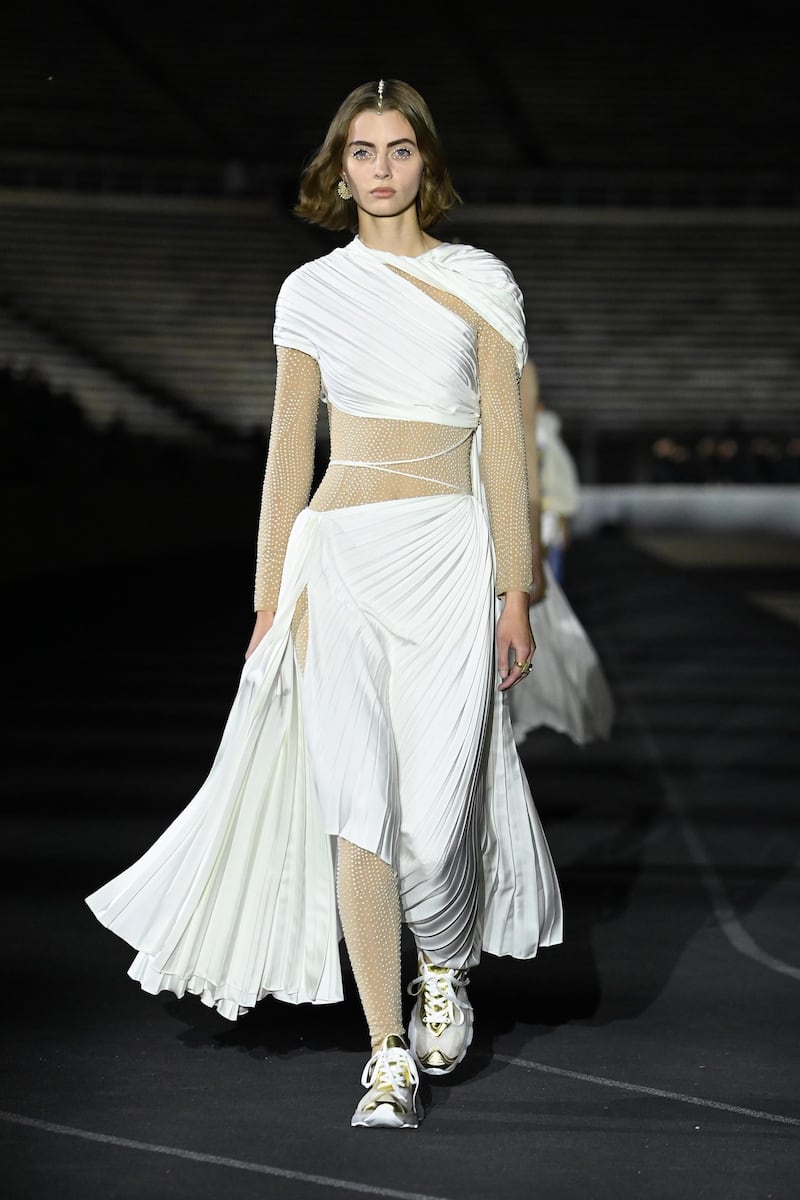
(366, 153)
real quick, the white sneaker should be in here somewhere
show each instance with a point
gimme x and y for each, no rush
(392, 1079)
(441, 1023)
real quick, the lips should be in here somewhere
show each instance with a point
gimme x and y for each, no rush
(382, 193)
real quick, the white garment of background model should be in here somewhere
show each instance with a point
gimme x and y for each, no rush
(558, 476)
(567, 689)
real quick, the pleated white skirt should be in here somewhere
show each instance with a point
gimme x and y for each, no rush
(397, 692)
(394, 737)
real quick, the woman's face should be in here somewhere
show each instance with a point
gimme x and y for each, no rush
(381, 163)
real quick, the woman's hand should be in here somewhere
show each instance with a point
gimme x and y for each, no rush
(515, 642)
(263, 625)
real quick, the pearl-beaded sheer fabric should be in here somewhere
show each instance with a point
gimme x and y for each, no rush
(411, 458)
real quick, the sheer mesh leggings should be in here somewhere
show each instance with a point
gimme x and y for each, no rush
(369, 908)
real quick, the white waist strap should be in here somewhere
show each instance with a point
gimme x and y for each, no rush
(387, 464)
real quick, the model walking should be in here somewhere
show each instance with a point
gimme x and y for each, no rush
(367, 775)
(569, 691)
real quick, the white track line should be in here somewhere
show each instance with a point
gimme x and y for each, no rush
(727, 919)
(215, 1160)
(724, 911)
(529, 1065)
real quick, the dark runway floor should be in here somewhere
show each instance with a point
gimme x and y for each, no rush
(654, 1054)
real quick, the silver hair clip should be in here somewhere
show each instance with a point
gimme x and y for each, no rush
(380, 96)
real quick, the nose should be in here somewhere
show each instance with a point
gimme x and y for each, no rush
(382, 168)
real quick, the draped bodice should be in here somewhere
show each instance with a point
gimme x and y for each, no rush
(385, 347)
(418, 360)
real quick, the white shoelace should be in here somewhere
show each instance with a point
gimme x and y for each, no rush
(440, 1004)
(393, 1070)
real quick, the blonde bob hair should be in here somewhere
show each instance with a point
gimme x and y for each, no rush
(318, 201)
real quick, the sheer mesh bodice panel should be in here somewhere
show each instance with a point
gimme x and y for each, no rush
(408, 458)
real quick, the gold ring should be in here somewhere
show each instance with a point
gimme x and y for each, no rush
(523, 666)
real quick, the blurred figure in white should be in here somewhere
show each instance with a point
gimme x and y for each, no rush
(567, 689)
(559, 486)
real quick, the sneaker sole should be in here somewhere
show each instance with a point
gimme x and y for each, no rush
(469, 1017)
(385, 1117)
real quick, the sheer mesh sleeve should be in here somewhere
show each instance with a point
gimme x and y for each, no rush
(290, 467)
(529, 399)
(502, 465)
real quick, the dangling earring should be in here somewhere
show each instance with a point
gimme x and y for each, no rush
(343, 190)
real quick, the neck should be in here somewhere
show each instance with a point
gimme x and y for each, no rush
(395, 235)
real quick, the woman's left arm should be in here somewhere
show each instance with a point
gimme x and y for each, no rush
(504, 476)
(529, 399)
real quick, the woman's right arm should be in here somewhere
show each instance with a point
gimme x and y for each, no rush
(288, 477)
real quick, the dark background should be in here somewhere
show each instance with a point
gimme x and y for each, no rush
(637, 167)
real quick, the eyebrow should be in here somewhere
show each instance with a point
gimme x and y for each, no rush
(396, 142)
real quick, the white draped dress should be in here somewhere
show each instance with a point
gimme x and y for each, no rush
(371, 741)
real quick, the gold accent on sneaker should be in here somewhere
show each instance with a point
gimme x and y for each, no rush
(437, 1059)
(392, 1081)
(441, 1023)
